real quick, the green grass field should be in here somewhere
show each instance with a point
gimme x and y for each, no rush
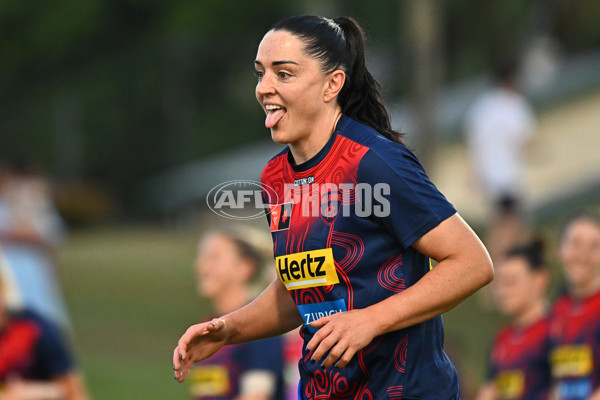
(131, 295)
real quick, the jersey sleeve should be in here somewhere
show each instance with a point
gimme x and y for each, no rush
(52, 354)
(415, 204)
(596, 359)
(264, 354)
(491, 371)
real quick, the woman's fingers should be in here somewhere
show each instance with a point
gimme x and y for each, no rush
(328, 339)
(217, 325)
(334, 355)
(180, 367)
(321, 322)
(176, 360)
(181, 364)
(198, 342)
(339, 337)
(345, 358)
(324, 346)
(315, 344)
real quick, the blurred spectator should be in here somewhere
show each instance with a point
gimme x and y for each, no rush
(226, 264)
(30, 228)
(499, 126)
(518, 364)
(575, 322)
(11, 294)
(35, 363)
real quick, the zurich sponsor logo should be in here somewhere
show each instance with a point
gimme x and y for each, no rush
(575, 389)
(314, 311)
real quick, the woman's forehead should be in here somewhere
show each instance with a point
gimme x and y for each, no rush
(277, 44)
(583, 227)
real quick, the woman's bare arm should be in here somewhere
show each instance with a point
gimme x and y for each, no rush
(463, 267)
(272, 313)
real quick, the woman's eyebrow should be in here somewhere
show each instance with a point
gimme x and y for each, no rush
(277, 62)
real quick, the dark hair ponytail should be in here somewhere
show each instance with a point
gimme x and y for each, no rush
(360, 97)
(340, 44)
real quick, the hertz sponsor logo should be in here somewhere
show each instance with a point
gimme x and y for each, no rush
(511, 384)
(209, 381)
(572, 361)
(307, 269)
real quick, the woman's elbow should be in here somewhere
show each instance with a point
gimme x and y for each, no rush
(486, 271)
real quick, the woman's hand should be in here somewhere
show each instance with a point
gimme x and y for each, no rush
(197, 343)
(343, 335)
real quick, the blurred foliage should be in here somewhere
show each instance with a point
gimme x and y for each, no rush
(113, 91)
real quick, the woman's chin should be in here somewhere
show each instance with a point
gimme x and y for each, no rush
(279, 136)
(579, 276)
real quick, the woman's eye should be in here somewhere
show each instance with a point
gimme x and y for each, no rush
(258, 74)
(283, 75)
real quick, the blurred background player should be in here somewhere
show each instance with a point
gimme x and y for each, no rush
(518, 365)
(225, 266)
(35, 363)
(30, 230)
(499, 126)
(575, 319)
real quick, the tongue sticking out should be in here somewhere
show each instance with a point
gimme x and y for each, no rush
(273, 117)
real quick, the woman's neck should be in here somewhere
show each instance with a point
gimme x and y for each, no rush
(589, 288)
(308, 147)
(532, 314)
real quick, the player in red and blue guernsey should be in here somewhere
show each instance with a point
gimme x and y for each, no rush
(575, 319)
(35, 361)
(518, 364)
(355, 221)
(227, 262)
(362, 260)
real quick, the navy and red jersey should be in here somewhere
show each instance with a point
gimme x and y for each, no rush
(575, 346)
(32, 349)
(519, 364)
(343, 224)
(218, 377)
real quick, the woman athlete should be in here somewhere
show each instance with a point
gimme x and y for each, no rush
(355, 221)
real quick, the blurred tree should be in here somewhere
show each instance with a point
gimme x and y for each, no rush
(115, 89)
(423, 19)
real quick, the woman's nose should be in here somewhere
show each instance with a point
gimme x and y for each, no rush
(265, 85)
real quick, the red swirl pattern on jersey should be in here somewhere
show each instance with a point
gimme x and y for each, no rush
(387, 275)
(275, 168)
(308, 296)
(400, 354)
(332, 385)
(353, 245)
(395, 392)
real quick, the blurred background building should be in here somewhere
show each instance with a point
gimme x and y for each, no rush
(136, 109)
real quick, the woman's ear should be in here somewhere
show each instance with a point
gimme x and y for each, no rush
(335, 83)
(542, 281)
